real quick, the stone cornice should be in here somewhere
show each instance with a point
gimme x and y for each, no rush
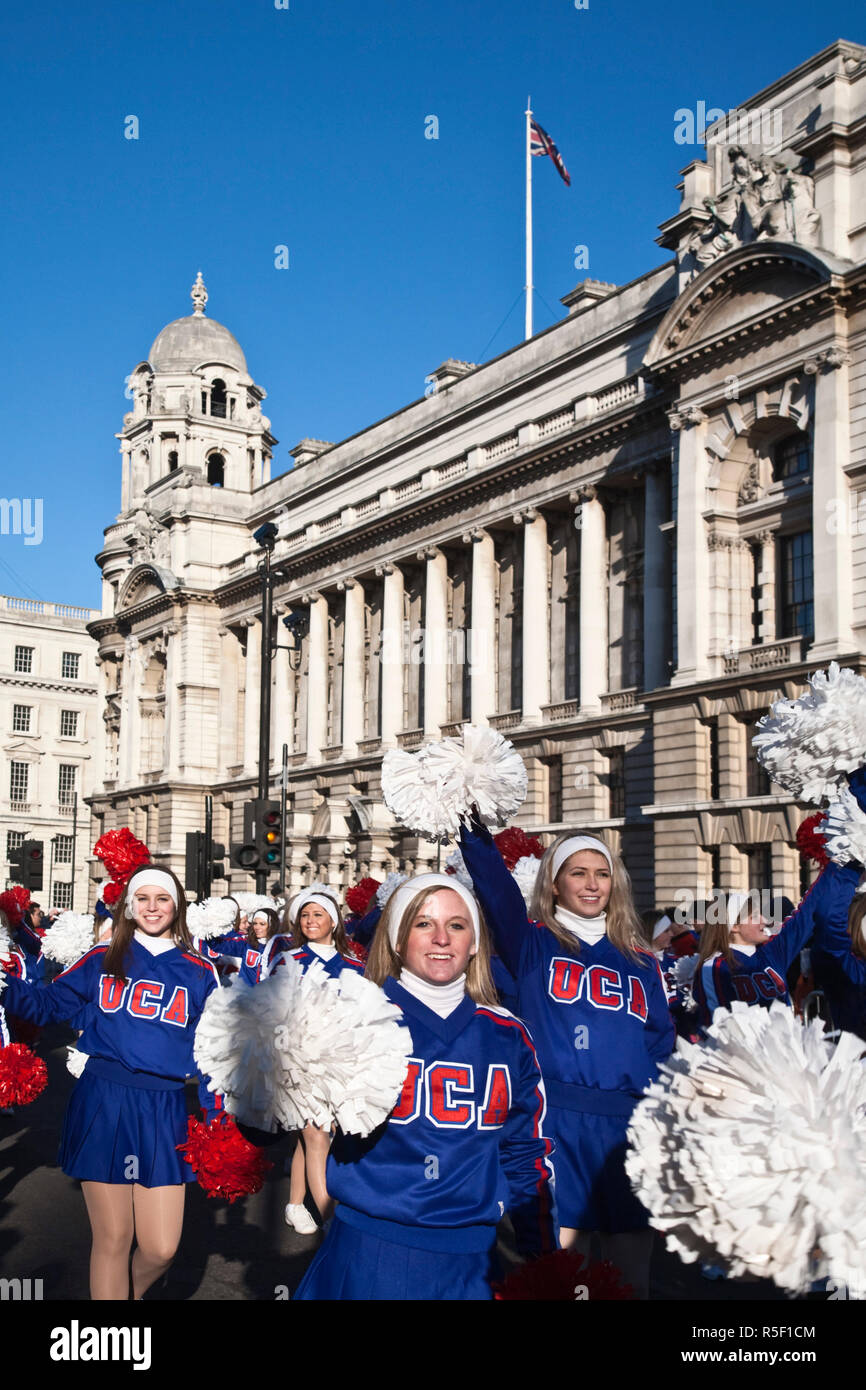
(43, 683)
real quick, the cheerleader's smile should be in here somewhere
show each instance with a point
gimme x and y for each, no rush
(441, 939)
(153, 910)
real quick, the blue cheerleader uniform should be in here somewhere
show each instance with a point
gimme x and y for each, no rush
(419, 1198)
(839, 972)
(127, 1113)
(601, 1023)
(235, 946)
(279, 946)
(759, 978)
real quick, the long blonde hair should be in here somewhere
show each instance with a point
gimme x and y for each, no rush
(383, 960)
(623, 924)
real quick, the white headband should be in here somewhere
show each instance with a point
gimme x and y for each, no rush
(661, 925)
(570, 847)
(306, 896)
(151, 878)
(401, 898)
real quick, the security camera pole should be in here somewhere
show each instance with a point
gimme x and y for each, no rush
(266, 537)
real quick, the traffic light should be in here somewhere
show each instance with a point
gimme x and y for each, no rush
(26, 863)
(193, 873)
(260, 848)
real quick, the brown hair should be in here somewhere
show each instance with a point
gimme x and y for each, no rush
(298, 939)
(383, 960)
(856, 913)
(124, 926)
(273, 924)
(624, 930)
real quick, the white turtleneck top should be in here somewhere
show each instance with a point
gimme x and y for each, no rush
(588, 929)
(442, 999)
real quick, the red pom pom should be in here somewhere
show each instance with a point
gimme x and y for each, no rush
(810, 842)
(121, 852)
(514, 843)
(111, 893)
(225, 1163)
(686, 944)
(357, 952)
(23, 1075)
(13, 902)
(360, 897)
(564, 1277)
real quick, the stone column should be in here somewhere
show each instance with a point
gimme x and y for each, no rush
(831, 506)
(767, 585)
(593, 601)
(482, 638)
(228, 699)
(656, 607)
(693, 564)
(391, 652)
(435, 642)
(317, 677)
(125, 475)
(536, 616)
(131, 729)
(283, 705)
(353, 665)
(173, 677)
(252, 696)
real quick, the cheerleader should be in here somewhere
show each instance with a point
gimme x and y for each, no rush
(317, 934)
(420, 1198)
(597, 1006)
(127, 1114)
(838, 960)
(740, 959)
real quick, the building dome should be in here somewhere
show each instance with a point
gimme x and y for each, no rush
(185, 343)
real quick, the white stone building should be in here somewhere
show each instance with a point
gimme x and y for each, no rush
(51, 721)
(618, 542)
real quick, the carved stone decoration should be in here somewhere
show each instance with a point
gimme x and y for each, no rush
(685, 418)
(198, 295)
(770, 198)
(750, 488)
(150, 539)
(827, 361)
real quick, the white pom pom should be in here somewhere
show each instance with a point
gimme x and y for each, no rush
(76, 1061)
(456, 865)
(809, 745)
(70, 937)
(305, 1048)
(391, 884)
(433, 791)
(525, 872)
(750, 1151)
(213, 917)
(683, 974)
(252, 902)
(844, 829)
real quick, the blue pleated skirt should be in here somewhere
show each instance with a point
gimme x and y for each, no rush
(357, 1266)
(119, 1133)
(593, 1192)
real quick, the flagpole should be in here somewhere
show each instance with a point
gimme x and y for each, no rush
(528, 321)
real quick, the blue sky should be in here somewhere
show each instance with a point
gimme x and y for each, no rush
(305, 127)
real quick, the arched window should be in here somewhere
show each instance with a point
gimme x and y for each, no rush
(792, 456)
(218, 399)
(172, 460)
(216, 470)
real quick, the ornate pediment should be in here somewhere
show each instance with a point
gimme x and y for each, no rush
(145, 582)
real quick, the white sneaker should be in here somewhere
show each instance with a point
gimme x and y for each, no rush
(300, 1219)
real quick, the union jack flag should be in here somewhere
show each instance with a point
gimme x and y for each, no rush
(541, 143)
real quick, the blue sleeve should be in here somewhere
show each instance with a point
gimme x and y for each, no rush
(662, 1031)
(29, 940)
(830, 894)
(832, 937)
(501, 899)
(363, 929)
(62, 999)
(524, 1155)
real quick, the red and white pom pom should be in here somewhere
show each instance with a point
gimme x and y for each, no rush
(809, 745)
(437, 789)
(514, 844)
(121, 852)
(23, 1075)
(359, 898)
(224, 1162)
(13, 903)
(810, 839)
(69, 938)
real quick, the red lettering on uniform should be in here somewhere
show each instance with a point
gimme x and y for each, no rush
(745, 988)
(637, 1003)
(777, 979)
(605, 987)
(769, 984)
(497, 1099)
(566, 980)
(408, 1107)
(140, 1004)
(252, 958)
(443, 1080)
(177, 1008)
(111, 993)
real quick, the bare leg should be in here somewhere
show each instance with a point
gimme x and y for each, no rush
(298, 1176)
(631, 1252)
(317, 1142)
(158, 1226)
(109, 1207)
(570, 1239)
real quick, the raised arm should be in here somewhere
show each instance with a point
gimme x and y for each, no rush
(525, 1156)
(828, 899)
(501, 899)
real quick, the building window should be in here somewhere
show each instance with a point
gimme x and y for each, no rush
(63, 849)
(716, 868)
(798, 613)
(69, 723)
(713, 748)
(216, 470)
(66, 784)
(24, 659)
(616, 782)
(218, 399)
(172, 460)
(21, 718)
(760, 860)
(554, 790)
(757, 613)
(757, 781)
(792, 457)
(61, 895)
(69, 666)
(15, 839)
(18, 782)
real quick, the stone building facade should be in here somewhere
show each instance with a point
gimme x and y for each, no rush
(617, 543)
(50, 717)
